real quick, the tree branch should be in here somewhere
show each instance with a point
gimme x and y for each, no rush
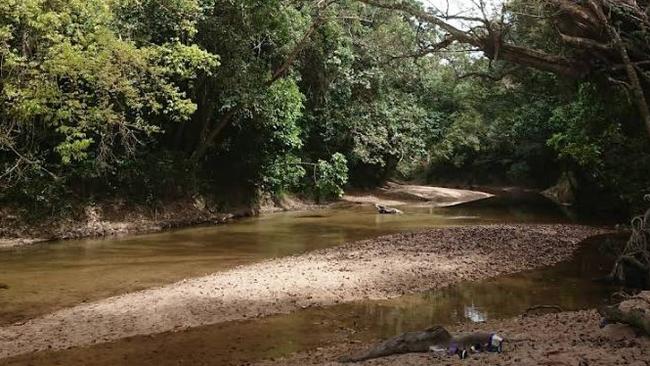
(493, 46)
(635, 83)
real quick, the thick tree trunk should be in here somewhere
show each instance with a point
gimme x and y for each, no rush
(633, 77)
(205, 144)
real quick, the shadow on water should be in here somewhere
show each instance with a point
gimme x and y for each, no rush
(567, 284)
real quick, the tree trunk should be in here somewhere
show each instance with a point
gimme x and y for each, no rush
(205, 144)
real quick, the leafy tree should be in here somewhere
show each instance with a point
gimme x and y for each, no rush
(76, 97)
(158, 99)
(331, 177)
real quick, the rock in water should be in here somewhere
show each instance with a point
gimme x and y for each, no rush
(387, 210)
(4, 286)
(563, 192)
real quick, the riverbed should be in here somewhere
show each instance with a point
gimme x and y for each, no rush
(49, 276)
(321, 332)
(161, 258)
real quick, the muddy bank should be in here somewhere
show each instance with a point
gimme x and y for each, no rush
(568, 338)
(380, 268)
(119, 218)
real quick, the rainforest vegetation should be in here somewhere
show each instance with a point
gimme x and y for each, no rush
(153, 100)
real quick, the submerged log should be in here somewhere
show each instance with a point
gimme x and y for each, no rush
(556, 308)
(634, 311)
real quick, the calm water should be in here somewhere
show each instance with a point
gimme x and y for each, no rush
(49, 276)
(568, 285)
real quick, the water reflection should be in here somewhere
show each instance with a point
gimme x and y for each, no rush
(568, 285)
(474, 314)
(46, 277)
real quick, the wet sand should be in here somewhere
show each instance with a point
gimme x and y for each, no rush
(374, 269)
(568, 338)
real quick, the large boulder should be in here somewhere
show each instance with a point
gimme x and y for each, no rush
(564, 191)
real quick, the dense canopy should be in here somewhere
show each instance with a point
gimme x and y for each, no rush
(158, 99)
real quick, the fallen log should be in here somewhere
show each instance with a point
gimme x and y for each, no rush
(635, 311)
(435, 339)
(406, 343)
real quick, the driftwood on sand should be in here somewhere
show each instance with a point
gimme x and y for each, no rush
(634, 311)
(406, 343)
(435, 338)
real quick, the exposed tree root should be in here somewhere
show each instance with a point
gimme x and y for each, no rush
(632, 268)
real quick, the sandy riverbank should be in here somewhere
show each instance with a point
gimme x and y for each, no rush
(569, 338)
(395, 194)
(379, 268)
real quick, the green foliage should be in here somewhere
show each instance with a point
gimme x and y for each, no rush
(530, 128)
(283, 174)
(77, 97)
(331, 177)
(592, 137)
(278, 112)
(585, 125)
(119, 97)
(279, 109)
(363, 104)
(158, 21)
(460, 141)
(185, 62)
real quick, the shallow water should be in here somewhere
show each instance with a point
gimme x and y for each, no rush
(49, 276)
(568, 285)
